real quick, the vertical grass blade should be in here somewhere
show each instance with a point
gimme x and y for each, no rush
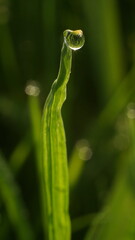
(55, 170)
(106, 43)
(20, 154)
(13, 203)
(81, 153)
(117, 220)
(35, 117)
(8, 59)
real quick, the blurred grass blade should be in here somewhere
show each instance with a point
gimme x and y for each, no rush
(20, 154)
(49, 36)
(81, 153)
(35, 117)
(76, 166)
(106, 42)
(117, 220)
(115, 106)
(13, 203)
(8, 59)
(55, 170)
(81, 222)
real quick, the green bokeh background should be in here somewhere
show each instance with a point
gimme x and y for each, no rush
(99, 113)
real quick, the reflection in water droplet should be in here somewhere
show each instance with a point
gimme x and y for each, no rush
(84, 150)
(74, 39)
(32, 89)
(131, 110)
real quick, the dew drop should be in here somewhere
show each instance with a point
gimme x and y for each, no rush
(74, 39)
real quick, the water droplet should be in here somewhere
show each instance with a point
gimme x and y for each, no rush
(74, 39)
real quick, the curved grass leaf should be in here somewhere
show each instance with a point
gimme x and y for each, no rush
(55, 170)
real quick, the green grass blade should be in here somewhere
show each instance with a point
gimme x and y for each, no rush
(77, 162)
(20, 154)
(105, 36)
(49, 36)
(55, 160)
(76, 167)
(116, 103)
(13, 203)
(55, 170)
(82, 222)
(117, 220)
(35, 117)
(8, 59)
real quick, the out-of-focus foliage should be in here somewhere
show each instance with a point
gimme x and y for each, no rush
(99, 114)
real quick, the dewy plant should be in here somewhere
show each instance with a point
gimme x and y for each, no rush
(55, 169)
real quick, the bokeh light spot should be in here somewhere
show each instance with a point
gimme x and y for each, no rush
(32, 89)
(84, 150)
(131, 110)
